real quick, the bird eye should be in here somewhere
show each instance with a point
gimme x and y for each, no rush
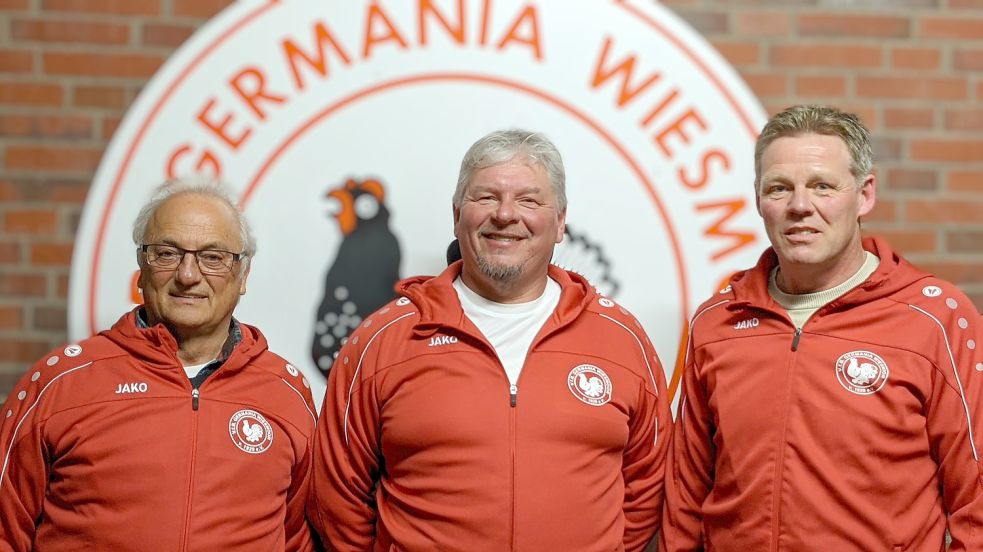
(366, 206)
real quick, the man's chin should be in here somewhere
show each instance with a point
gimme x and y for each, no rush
(502, 273)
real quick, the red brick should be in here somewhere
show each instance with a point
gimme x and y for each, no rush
(61, 286)
(70, 31)
(16, 61)
(968, 59)
(761, 23)
(941, 211)
(950, 150)
(199, 8)
(966, 4)
(854, 25)
(979, 90)
(10, 252)
(160, 34)
(885, 210)
(957, 272)
(965, 28)
(30, 221)
(916, 58)
(907, 241)
(22, 349)
(45, 126)
(904, 117)
(970, 119)
(112, 7)
(67, 191)
(50, 254)
(705, 22)
(964, 241)
(912, 88)
(8, 191)
(738, 52)
(824, 86)
(767, 84)
(11, 317)
(52, 158)
(30, 93)
(101, 64)
(911, 179)
(109, 126)
(49, 318)
(99, 96)
(12, 5)
(826, 55)
(20, 285)
(965, 181)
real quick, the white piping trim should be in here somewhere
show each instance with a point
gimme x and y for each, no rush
(955, 372)
(302, 399)
(358, 367)
(680, 409)
(648, 366)
(13, 437)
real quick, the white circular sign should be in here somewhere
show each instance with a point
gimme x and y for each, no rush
(341, 125)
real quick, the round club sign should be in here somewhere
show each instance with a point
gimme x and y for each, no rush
(341, 125)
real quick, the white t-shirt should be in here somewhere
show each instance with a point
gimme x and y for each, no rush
(509, 328)
(193, 370)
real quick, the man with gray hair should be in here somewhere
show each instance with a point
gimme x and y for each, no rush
(832, 395)
(501, 405)
(176, 429)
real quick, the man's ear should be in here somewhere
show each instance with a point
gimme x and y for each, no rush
(868, 195)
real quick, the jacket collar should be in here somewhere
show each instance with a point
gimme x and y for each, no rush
(157, 347)
(892, 273)
(439, 306)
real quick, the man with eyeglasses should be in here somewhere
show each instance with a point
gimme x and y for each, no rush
(176, 429)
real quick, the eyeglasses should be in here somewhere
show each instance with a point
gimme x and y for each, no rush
(210, 261)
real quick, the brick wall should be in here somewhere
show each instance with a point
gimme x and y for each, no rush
(913, 69)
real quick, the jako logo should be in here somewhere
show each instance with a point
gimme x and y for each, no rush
(656, 129)
(439, 340)
(131, 388)
(745, 324)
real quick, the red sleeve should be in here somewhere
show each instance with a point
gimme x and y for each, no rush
(643, 468)
(689, 474)
(346, 451)
(24, 468)
(954, 414)
(296, 527)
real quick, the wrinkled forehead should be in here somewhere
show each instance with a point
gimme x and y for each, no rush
(194, 221)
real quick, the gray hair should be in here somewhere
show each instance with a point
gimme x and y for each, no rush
(502, 146)
(819, 119)
(197, 186)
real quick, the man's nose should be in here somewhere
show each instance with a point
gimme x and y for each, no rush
(506, 211)
(188, 270)
(801, 200)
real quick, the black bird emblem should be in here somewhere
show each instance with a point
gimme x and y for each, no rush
(364, 270)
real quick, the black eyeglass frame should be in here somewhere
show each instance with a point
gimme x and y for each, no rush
(236, 257)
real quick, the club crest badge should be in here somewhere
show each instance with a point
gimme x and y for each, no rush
(250, 431)
(590, 384)
(861, 372)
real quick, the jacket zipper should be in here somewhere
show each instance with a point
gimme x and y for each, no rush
(195, 393)
(512, 388)
(780, 468)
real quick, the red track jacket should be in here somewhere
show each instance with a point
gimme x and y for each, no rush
(860, 433)
(423, 446)
(104, 448)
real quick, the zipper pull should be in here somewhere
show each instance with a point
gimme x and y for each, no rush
(513, 392)
(194, 399)
(795, 339)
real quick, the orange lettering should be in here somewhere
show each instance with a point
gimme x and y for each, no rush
(376, 15)
(206, 160)
(528, 15)
(676, 128)
(319, 62)
(739, 239)
(426, 6)
(257, 90)
(625, 70)
(220, 128)
(705, 172)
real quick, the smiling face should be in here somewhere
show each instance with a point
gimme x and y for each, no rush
(189, 303)
(811, 204)
(507, 225)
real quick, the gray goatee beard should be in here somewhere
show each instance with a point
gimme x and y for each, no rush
(499, 273)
